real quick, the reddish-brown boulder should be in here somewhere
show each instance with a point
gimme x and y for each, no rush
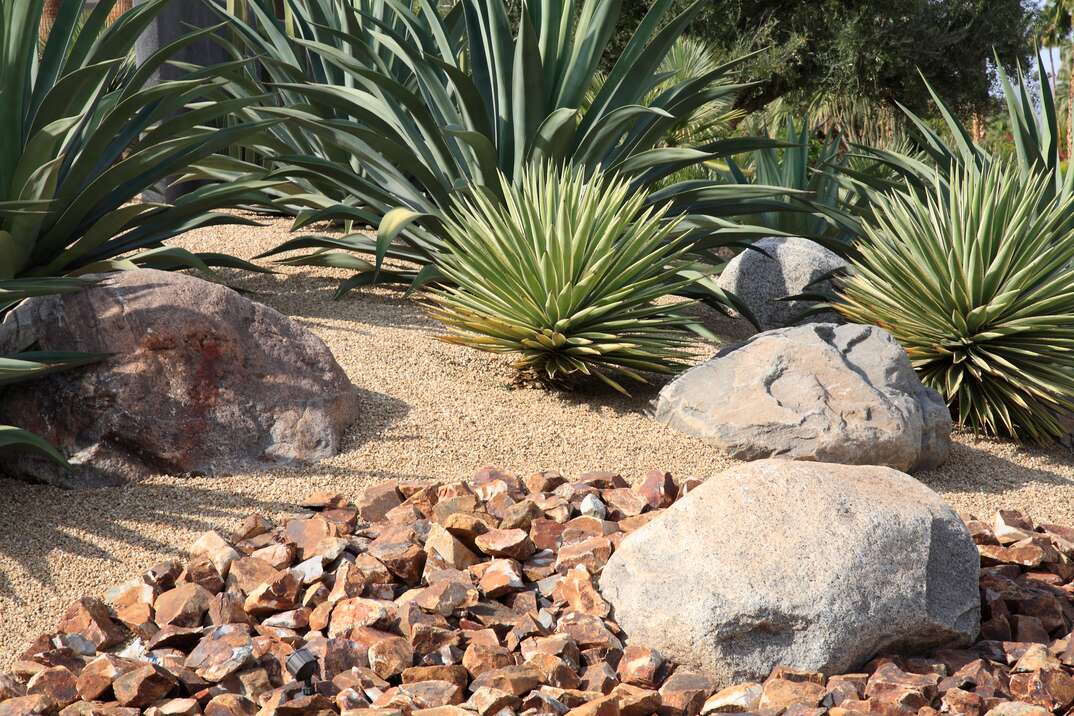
(200, 380)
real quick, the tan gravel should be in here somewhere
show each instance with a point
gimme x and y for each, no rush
(431, 411)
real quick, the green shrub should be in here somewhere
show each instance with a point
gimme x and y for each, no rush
(819, 206)
(395, 111)
(83, 132)
(974, 279)
(565, 273)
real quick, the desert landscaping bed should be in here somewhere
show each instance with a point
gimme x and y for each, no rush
(483, 597)
(429, 411)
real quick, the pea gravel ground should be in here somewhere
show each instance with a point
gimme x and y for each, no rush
(431, 411)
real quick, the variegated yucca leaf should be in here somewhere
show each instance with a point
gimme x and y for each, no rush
(974, 278)
(565, 269)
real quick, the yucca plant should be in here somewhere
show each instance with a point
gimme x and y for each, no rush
(29, 365)
(974, 279)
(565, 272)
(395, 110)
(83, 132)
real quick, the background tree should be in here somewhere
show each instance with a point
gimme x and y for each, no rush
(52, 9)
(866, 49)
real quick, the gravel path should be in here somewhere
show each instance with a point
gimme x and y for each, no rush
(431, 411)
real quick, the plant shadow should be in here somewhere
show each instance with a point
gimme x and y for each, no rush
(312, 297)
(971, 469)
(36, 521)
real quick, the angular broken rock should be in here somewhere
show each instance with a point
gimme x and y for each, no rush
(143, 686)
(892, 565)
(740, 698)
(216, 549)
(95, 680)
(90, 618)
(643, 667)
(512, 543)
(183, 606)
(56, 684)
(684, 693)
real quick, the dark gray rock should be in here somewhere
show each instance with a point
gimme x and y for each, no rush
(778, 268)
(808, 565)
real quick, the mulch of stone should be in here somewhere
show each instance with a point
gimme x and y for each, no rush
(481, 598)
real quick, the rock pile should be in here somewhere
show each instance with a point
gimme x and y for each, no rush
(480, 599)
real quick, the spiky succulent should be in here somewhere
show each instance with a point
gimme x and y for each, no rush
(84, 132)
(395, 108)
(566, 273)
(974, 278)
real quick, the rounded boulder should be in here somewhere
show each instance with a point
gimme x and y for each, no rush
(776, 268)
(200, 380)
(813, 566)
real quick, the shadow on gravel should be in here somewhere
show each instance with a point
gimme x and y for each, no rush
(38, 522)
(377, 412)
(308, 296)
(970, 469)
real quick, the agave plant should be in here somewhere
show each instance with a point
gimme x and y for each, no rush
(84, 132)
(825, 210)
(974, 279)
(1035, 130)
(565, 273)
(393, 111)
(30, 365)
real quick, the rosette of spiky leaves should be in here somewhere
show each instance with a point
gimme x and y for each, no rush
(974, 279)
(565, 272)
(395, 108)
(34, 364)
(84, 132)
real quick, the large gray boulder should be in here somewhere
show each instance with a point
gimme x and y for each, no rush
(778, 267)
(845, 394)
(808, 565)
(201, 381)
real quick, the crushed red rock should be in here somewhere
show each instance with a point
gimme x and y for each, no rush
(481, 598)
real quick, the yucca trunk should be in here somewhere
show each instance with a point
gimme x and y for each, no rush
(48, 17)
(52, 9)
